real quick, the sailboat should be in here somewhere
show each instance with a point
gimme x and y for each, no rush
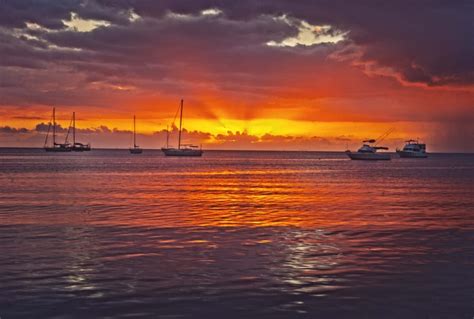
(135, 149)
(183, 149)
(55, 147)
(76, 146)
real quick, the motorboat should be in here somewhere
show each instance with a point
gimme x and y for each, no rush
(368, 152)
(413, 149)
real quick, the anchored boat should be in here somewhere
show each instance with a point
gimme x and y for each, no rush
(55, 147)
(183, 149)
(413, 149)
(368, 151)
(135, 149)
(76, 146)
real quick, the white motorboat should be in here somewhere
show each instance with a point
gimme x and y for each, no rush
(413, 149)
(369, 153)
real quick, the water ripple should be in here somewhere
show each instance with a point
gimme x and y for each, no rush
(235, 234)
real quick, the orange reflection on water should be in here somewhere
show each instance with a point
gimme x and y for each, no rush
(241, 190)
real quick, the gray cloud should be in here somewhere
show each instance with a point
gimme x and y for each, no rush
(45, 127)
(427, 42)
(104, 136)
(447, 137)
(12, 130)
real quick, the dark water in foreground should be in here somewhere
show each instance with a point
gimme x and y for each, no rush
(235, 235)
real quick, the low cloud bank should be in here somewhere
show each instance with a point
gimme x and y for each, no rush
(447, 138)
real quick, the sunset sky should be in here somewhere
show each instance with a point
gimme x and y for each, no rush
(254, 74)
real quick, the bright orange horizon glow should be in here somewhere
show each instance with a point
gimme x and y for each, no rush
(326, 105)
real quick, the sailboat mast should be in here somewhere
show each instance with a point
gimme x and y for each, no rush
(134, 133)
(54, 126)
(167, 136)
(180, 124)
(73, 128)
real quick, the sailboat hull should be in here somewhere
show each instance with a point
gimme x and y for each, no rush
(78, 147)
(182, 152)
(136, 150)
(57, 149)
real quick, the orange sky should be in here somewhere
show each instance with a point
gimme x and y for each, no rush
(264, 81)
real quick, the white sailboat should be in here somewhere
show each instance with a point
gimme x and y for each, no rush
(135, 149)
(183, 149)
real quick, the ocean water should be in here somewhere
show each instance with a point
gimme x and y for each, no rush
(235, 235)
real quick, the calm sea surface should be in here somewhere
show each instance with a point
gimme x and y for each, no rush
(235, 235)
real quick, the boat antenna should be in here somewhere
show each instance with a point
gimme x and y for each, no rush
(180, 124)
(384, 135)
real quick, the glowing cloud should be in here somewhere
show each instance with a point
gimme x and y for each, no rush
(308, 34)
(78, 24)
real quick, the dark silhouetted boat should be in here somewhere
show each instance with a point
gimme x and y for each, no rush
(55, 147)
(76, 146)
(183, 149)
(135, 149)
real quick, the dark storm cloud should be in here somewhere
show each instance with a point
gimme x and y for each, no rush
(167, 54)
(426, 42)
